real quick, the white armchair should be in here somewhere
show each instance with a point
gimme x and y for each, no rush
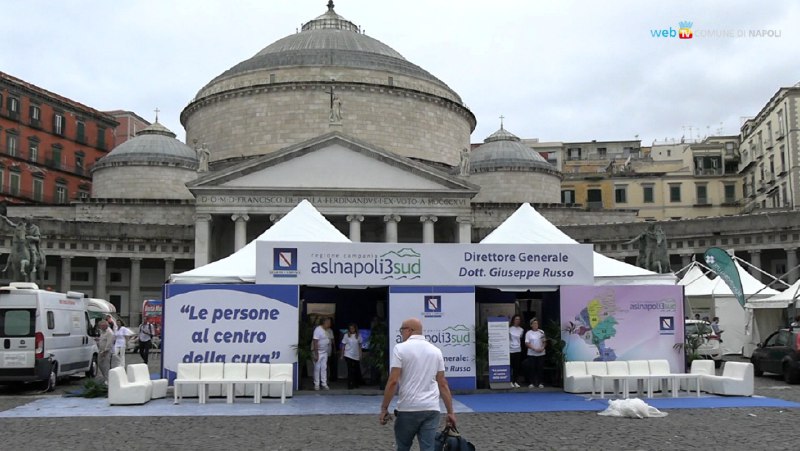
(189, 372)
(139, 372)
(257, 371)
(281, 371)
(704, 367)
(211, 372)
(576, 379)
(123, 392)
(736, 380)
(238, 372)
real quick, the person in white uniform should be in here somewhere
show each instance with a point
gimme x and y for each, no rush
(120, 345)
(351, 348)
(417, 375)
(320, 347)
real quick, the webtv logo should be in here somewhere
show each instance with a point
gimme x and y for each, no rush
(684, 31)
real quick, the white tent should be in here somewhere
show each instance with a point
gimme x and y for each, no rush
(302, 223)
(715, 297)
(768, 314)
(527, 226)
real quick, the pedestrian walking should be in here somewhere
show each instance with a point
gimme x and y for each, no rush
(417, 375)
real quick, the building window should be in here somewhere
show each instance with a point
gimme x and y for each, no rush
(647, 192)
(61, 194)
(13, 107)
(674, 193)
(594, 198)
(101, 138)
(13, 182)
(568, 196)
(574, 153)
(391, 81)
(79, 163)
(621, 194)
(601, 152)
(730, 193)
(669, 152)
(115, 277)
(38, 189)
(80, 276)
(35, 115)
(55, 157)
(33, 151)
(11, 144)
(272, 78)
(702, 194)
(80, 133)
(59, 126)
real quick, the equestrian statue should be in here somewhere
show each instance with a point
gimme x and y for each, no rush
(27, 260)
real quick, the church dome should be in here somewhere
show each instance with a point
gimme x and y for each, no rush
(330, 40)
(151, 165)
(508, 171)
(284, 95)
(502, 150)
(153, 145)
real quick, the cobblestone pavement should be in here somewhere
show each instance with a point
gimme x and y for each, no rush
(707, 429)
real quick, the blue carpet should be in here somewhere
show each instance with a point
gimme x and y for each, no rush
(560, 402)
(530, 402)
(320, 404)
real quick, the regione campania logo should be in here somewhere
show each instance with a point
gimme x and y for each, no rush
(284, 262)
(433, 306)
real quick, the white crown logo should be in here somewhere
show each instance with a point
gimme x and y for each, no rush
(685, 24)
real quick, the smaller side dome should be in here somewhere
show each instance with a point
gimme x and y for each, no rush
(502, 150)
(154, 145)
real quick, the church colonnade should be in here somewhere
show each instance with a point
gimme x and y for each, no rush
(211, 230)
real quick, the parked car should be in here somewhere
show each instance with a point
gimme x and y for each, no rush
(710, 347)
(779, 354)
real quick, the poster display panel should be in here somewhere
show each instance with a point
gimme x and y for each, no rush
(448, 321)
(631, 322)
(229, 323)
(499, 358)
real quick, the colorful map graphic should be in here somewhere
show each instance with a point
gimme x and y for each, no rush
(596, 324)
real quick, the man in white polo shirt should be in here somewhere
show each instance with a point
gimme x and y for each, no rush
(418, 369)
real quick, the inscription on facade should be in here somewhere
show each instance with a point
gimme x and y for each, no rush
(329, 200)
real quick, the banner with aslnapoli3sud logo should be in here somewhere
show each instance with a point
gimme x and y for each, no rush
(310, 263)
(448, 321)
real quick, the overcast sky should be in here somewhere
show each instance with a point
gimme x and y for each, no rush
(557, 70)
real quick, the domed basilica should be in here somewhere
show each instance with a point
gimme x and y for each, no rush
(377, 144)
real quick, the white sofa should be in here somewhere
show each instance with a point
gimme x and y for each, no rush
(736, 380)
(578, 374)
(213, 379)
(123, 392)
(139, 372)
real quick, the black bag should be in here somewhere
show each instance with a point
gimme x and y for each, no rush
(450, 440)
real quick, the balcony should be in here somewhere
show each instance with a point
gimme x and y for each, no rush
(49, 163)
(25, 196)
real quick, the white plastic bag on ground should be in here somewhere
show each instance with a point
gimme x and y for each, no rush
(631, 408)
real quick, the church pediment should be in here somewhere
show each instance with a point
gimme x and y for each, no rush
(333, 161)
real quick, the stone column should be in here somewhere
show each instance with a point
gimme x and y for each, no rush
(100, 278)
(464, 229)
(135, 297)
(685, 260)
(427, 228)
(202, 232)
(169, 267)
(391, 227)
(240, 230)
(66, 273)
(755, 260)
(355, 227)
(791, 262)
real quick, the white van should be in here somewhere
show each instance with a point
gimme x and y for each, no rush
(44, 335)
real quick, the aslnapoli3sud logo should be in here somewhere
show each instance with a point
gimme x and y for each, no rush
(405, 263)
